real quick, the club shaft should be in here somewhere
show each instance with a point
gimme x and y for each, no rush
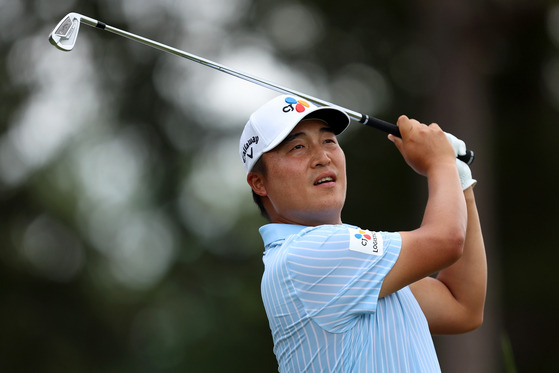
(203, 61)
(361, 118)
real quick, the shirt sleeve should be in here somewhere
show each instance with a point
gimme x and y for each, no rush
(337, 271)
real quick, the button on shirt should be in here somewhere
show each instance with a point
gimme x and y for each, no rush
(320, 289)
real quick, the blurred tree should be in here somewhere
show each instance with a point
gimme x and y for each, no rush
(462, 46)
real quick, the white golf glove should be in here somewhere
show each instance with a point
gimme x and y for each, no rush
(464, 171)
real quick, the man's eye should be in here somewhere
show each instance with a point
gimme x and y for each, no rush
(297, 147)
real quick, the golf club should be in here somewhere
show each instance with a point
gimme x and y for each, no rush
(65, 34)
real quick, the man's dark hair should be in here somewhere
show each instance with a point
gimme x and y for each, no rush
(260, 167)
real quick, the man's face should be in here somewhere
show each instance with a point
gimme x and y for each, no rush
(305, 182)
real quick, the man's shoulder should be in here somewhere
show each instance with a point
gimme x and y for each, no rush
(321, 234)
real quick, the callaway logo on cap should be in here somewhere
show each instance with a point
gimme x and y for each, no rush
(268, 126)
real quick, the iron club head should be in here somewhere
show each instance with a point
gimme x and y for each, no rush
(65, 33)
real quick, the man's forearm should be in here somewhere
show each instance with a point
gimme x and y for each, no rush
(467, 278)
(446, 212)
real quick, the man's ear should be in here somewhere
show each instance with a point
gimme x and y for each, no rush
(256, 182)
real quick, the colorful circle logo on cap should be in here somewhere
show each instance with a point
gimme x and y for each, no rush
(295, 105)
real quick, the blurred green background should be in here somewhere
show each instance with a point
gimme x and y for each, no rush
(129, 238)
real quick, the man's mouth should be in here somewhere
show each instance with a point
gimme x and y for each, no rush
(323, 180)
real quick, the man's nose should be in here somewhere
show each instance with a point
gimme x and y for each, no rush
(321, 158)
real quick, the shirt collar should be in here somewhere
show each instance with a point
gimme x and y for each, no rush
(273, 232)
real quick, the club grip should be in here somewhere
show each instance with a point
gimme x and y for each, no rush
(393, 129)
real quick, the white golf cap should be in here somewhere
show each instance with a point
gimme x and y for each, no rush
(268, 126)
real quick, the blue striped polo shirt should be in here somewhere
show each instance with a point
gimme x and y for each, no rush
(320, 289)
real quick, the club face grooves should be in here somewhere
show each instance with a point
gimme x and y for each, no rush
(64, 27)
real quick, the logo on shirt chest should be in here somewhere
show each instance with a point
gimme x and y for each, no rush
(365, 241)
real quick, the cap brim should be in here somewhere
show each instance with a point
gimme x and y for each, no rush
(335, 118)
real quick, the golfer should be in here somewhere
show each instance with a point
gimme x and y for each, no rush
(340, 297)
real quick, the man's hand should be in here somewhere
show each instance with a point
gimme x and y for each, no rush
(422, 146)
